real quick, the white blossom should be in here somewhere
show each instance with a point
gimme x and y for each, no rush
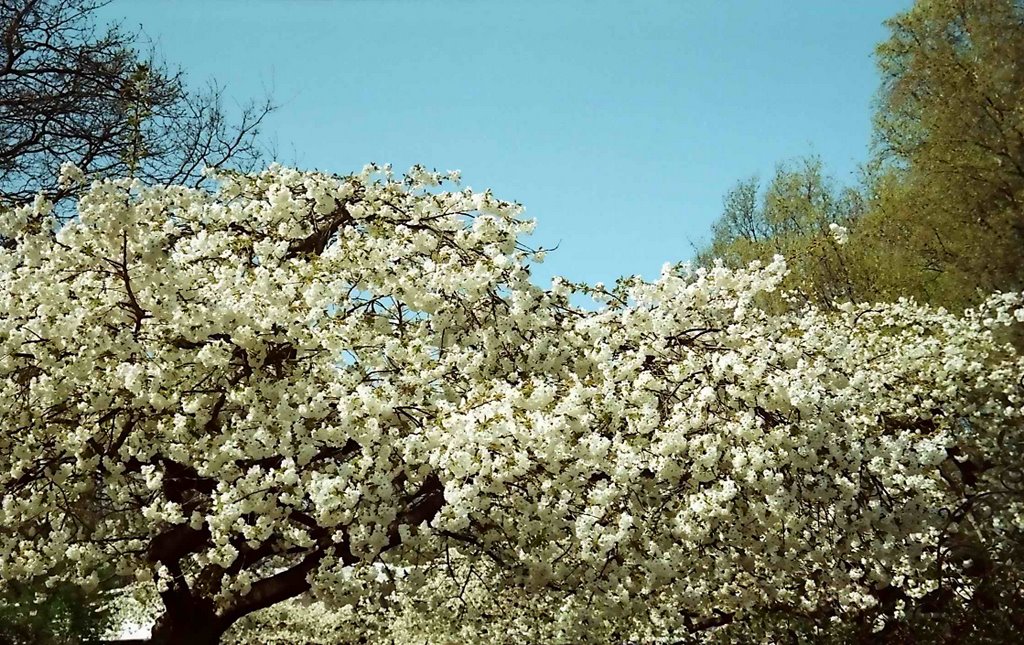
(349, 389)
(839, 233)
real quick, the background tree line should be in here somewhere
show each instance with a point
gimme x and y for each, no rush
(938, 213)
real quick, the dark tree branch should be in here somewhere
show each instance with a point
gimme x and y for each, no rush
(71, 92)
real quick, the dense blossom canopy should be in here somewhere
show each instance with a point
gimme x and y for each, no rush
(348, 389)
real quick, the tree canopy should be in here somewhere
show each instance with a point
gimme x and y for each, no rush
(348, 389)
(950, 133)
(937, 214)
(802, 215)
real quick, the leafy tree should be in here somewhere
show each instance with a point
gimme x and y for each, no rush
(950, 146)
(940, 216)
(801, 215)
(70, 92)
(303, 386)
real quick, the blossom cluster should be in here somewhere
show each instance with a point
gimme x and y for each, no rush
(348, 389)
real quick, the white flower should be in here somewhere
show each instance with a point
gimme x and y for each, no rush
(70, 175)
(839, 233)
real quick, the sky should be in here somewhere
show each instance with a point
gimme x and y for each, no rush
(619, 125)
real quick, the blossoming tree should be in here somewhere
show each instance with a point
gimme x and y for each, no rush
(347, 388)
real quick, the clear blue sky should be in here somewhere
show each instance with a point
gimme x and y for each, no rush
(619, 125)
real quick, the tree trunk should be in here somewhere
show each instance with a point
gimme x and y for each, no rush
(192, 622)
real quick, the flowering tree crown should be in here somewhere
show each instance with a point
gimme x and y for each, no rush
(348, 388)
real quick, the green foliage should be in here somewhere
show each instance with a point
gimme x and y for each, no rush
(65, 615)
(949, 148)
(791, 217)
(939, 215)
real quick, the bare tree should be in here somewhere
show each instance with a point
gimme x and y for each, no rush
(70, 91)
